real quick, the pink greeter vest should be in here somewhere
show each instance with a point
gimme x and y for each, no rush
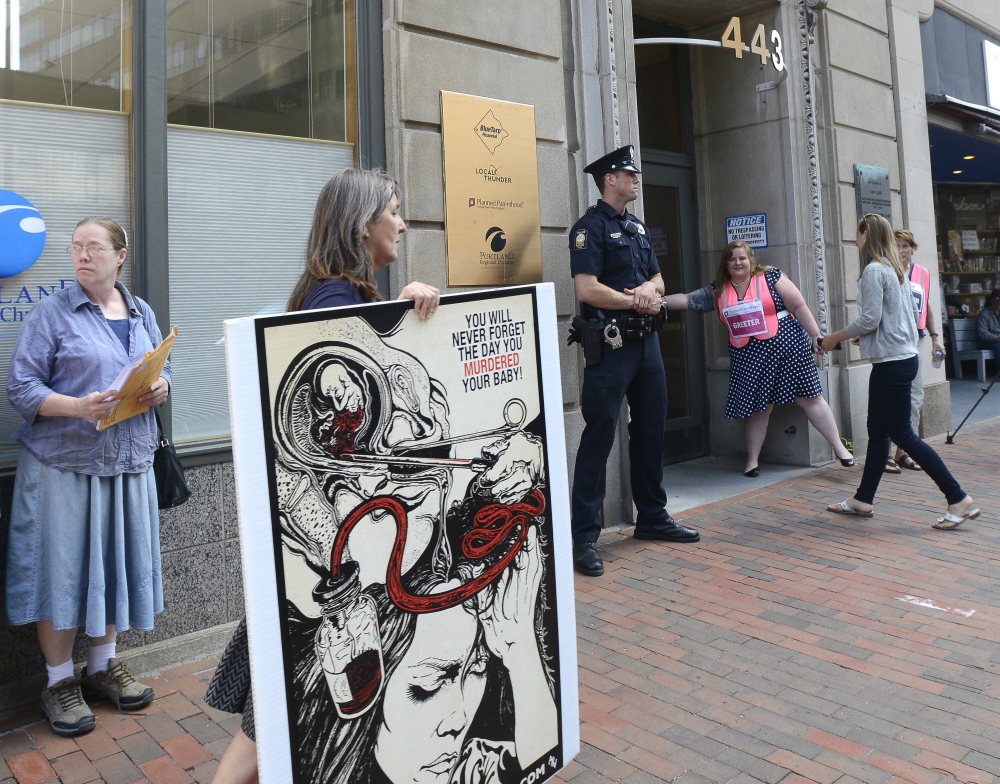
(755, 317)
(919, 276)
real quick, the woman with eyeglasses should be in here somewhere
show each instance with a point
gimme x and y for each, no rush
(84, 547)
(887, 329)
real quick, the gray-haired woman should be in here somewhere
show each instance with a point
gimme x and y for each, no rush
(355, 231)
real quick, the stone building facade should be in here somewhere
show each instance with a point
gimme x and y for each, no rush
(718, 136)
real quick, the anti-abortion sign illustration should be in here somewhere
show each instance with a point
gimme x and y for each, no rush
(404, 520)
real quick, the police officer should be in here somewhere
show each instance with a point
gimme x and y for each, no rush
(619, 287)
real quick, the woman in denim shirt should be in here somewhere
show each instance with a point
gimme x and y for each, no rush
(84, 545)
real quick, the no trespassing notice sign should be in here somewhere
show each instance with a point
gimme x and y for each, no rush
(751, 229)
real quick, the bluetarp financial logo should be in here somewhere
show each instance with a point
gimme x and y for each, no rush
(499, 241)
(22, 234)
(490, 131)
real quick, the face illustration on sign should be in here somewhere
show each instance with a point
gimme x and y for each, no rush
(22, 234)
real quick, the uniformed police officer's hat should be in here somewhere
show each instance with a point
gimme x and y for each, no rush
(622, 159)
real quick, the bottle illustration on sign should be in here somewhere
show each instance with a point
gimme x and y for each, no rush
(348, 646)
(22, 234)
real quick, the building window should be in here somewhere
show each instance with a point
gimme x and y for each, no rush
(67, 54)
(277, 67)
(262, 111)
(258, 103)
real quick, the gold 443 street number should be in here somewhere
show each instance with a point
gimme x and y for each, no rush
(733, 39)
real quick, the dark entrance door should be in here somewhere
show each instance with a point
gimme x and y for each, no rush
(663, 92)
(668, 204)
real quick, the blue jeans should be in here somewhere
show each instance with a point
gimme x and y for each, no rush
(889, 418)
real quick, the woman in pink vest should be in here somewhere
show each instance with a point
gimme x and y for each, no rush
(920, 287)
(772, 336)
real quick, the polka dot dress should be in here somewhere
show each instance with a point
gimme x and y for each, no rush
(775, 370)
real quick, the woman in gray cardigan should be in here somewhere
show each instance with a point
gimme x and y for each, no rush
(886, 327)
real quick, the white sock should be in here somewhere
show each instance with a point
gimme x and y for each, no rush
(59, 673)
(97, 658)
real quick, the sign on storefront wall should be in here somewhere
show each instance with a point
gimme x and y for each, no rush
(991, 53)
(492, 223)
(871, 191)
(751, 229)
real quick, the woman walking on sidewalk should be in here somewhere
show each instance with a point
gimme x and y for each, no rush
(887, 328)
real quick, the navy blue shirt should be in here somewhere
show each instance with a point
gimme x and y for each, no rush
(332, 294)
(121, 328)
(600, 246)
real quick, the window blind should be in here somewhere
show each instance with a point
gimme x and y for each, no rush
(240, 210)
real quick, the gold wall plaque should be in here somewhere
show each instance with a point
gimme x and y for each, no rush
(492, 224)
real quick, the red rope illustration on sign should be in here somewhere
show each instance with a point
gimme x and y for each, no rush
(492, 525)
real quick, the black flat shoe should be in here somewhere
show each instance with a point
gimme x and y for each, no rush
(753, 473)
(586, 559)
(847, 462)
(667, 531)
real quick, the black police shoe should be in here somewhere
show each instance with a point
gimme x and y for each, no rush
(667, 531)
(586, 559)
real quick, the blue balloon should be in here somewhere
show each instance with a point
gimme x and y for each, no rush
(22, 234)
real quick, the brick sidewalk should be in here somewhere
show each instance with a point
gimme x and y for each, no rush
(788, 645)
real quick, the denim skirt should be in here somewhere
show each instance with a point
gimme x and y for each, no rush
(83, 550)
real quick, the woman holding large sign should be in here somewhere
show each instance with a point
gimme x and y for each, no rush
(389, 664)
(772, 335)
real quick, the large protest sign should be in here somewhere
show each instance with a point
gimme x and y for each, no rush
(405, 534)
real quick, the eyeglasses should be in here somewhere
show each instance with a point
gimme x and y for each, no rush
(92, 250)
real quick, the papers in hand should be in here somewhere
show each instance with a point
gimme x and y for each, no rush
(135, 380)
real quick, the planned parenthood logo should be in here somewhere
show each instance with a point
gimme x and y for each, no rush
(22, 234)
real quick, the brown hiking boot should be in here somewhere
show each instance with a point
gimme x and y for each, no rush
(117, 685)
(63, 706)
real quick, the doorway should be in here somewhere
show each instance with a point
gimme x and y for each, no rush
(666, 135)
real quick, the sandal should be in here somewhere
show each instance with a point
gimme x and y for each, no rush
(891, 467)
(844, 509)
(908, 462)
(950, 522)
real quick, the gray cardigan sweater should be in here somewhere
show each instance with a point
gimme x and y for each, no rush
(887, 324)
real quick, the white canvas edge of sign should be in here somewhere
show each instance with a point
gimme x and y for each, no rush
(548, 344)
(259, 575)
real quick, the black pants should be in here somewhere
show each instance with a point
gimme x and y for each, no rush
(889, 418)
(634, 371)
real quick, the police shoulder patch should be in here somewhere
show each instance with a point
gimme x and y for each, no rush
(580, 239)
